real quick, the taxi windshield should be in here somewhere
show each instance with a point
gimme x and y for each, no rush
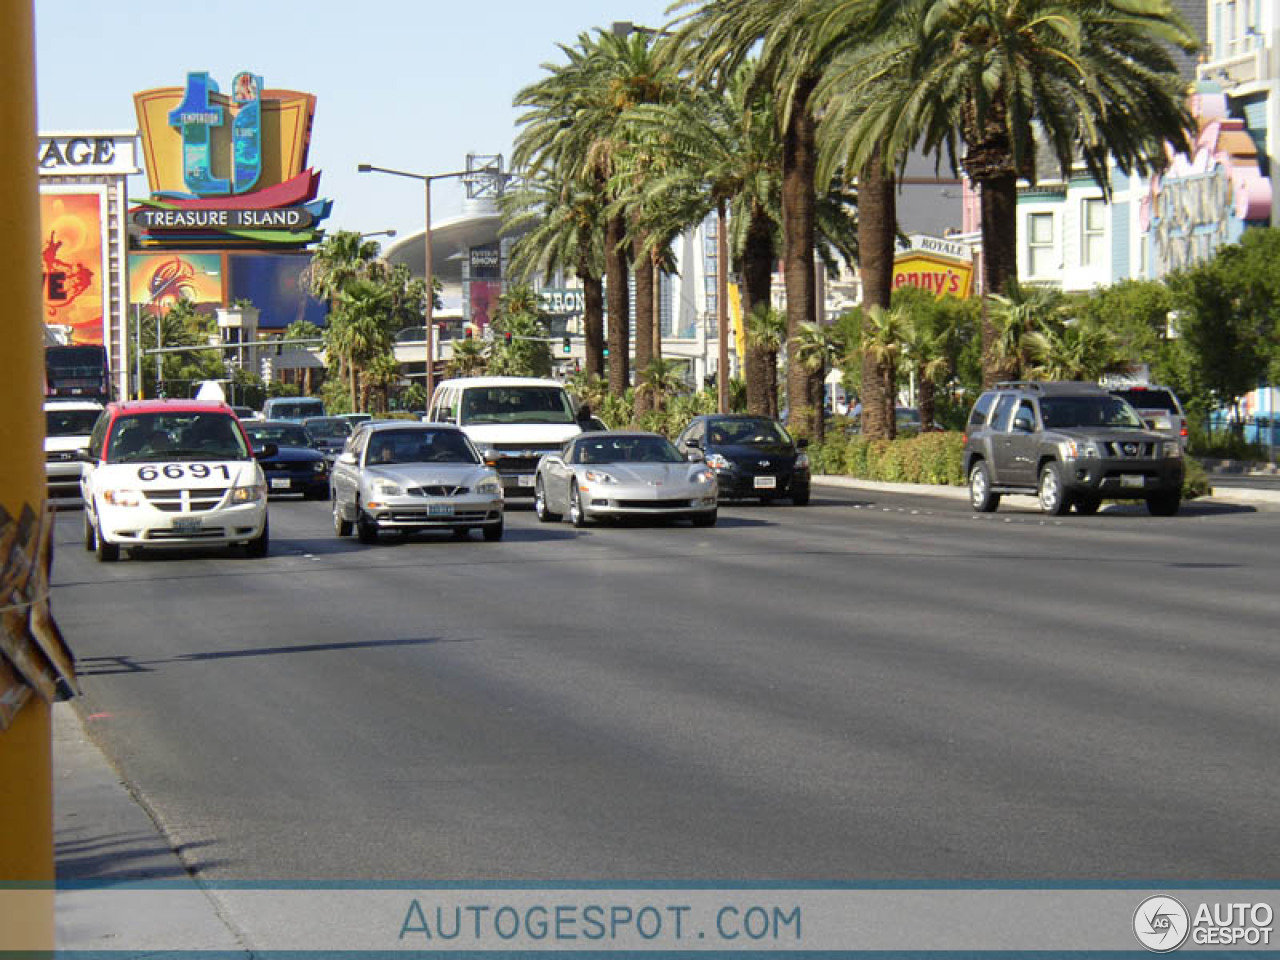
(192, 435)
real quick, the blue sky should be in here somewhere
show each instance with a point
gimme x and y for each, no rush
(408, 84)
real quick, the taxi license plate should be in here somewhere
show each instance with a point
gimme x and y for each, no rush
(279, 483)
(1132, 480)
(766, 483)
(440, 510)
(186, 525)
(524, 480)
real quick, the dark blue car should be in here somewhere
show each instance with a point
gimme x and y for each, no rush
(296, 467)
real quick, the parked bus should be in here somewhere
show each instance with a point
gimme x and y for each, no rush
(77, 371)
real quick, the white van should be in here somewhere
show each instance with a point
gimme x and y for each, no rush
(512, 420)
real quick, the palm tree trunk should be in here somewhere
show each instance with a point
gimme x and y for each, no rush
(643, 266)
(592, 321)
(999, 198)
(757, 280)
(877, 231)
(799, 165)
(615, 258)
(928, 405)
(657, 303)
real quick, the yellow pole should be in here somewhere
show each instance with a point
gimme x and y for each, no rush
(26, 772)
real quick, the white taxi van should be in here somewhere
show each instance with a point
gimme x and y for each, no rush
(169, 473)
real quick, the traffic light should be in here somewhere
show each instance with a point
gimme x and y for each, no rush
(606, 351)
(468, 331)
(568, 345)
(507, 336)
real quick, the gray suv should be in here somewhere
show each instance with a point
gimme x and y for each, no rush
(1070, 444)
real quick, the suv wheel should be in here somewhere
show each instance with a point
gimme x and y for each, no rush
(1053, 496)
(980, 495)
(1164, 504)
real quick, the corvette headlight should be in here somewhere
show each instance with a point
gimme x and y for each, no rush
(1173, 448)
(489, 486)
(385, 488)
(702, 476)
(249, 494)
(717, 461)
(122, 498)
(599, 476)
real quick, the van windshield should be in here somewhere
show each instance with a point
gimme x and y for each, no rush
(515, 405)
(143, 437)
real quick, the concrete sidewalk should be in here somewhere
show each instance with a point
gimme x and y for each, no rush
(103, 837)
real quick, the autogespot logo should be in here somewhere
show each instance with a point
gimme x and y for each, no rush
(1161, 924)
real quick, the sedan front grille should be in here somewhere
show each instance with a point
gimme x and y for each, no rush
(437, 491)
(195, 500)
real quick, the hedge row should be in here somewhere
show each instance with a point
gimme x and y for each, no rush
(935, 458)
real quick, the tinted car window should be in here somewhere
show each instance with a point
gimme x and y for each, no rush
(1108, 411)
(980, 410)
(419, 446)
(746, 432)
(281, 436)
(169, 436)
(327, 427)
(1003, 417)
(70, 423)
(1149, 399)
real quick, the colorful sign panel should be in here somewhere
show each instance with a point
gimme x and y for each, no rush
(272, 282)
(159, 280)
(941, 266)
(72, 244)
(228, 170)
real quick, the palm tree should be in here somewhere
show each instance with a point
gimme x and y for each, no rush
(815, 347)
(659, 380)
(1013, 317)
(382, 373)
(573, 123)
(925, 338)
(1095, 80)
(1078, 350)
(766, 330)
(360, 333)
(304, 330)
(468, 358)
(880, 349)
(558, 221)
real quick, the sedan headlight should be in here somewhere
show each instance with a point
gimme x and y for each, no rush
(718, 461)
(1079, 449)
(599, 476)
(122, 498)
(385, 488)
(1173, 448)
(250, 494)
(489, 486)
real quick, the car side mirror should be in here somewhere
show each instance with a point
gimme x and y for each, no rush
(267, 450)
(84, 456)
(1023, 424)
(694, 443)
(347, 457)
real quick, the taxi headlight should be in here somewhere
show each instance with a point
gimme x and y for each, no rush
(489, 486)
(122, 498)
(250, 494)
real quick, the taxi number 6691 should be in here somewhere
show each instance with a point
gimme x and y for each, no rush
(176, 471)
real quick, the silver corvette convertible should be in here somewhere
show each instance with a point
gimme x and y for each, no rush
(620, 474)
(407, 477)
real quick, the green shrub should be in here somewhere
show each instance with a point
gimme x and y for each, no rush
(928, 458)
(1195, 480)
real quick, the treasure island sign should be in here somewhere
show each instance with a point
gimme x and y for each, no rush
(943, 267)
(228, 170)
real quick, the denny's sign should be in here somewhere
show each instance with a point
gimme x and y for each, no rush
(228, 169)
(943, 267)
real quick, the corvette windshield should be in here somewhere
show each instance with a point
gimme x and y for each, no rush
(141, 437)
(628, 449)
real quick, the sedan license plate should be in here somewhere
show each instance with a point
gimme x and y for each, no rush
(440, 510)
(186, 525)
(525, 480)
(766, 483)
(279, 483)
(1132, 480)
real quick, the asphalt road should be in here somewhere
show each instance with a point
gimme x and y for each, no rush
(874, 687)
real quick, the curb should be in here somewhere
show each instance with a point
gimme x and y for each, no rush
(1250, 496)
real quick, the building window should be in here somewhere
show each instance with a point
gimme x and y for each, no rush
(1092, 232)
(1042, 260)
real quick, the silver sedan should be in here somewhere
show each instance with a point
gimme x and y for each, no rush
(406, 477)
(621, 474)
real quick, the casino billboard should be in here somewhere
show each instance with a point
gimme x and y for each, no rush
(941, 266)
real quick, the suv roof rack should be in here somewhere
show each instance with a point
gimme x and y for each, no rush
(1008, 384)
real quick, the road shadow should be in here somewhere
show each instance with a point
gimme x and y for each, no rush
(120, 664)
(121, 858)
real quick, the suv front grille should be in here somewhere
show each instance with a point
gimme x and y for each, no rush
(1131, 449)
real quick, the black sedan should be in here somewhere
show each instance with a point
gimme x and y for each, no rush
(296, 467)
(328, 434)
(752, 456)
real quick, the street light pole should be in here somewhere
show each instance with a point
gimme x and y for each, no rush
(428, 312)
